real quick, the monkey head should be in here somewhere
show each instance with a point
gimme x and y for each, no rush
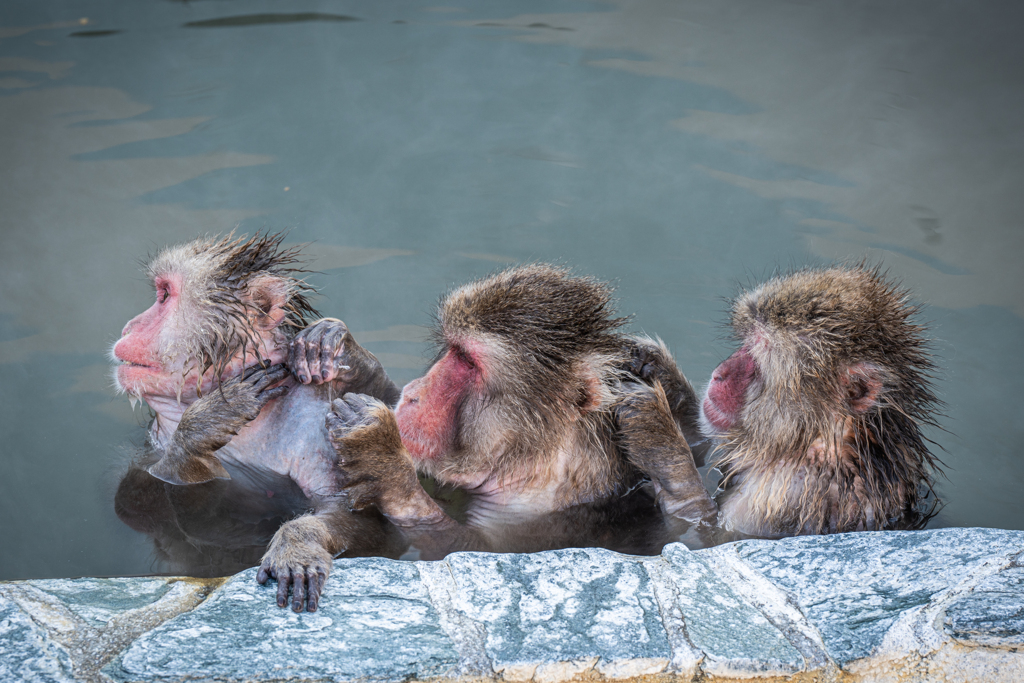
(830, 366)
(525, 356)
(221, 303)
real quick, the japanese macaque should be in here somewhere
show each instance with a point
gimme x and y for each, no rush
(238, 444)
(817, 417)
(516, 413)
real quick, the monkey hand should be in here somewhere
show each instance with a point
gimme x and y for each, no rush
(374, 466)
(651, 363)
(654, 445)
(209, 423)
(299, 559)
(326, 352)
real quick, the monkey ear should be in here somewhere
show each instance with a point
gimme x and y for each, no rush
(269, 295)
(862, 385)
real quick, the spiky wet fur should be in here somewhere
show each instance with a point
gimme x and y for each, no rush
(553, 349)
(220, 305)
(801, 457)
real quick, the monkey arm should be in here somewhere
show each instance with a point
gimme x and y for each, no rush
(208, 425)
(377, 471)
(652, 363)
(326, 352)
(654, 445)
(301, 552)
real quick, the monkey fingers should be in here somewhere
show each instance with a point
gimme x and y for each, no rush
(264, 388)
(316, 354)
(300, 563)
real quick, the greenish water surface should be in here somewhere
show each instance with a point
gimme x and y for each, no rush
(679, 148)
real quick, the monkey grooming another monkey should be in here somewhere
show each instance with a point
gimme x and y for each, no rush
(817, 417)
(516, 412)
(226, 308)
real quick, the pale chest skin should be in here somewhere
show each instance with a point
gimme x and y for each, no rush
(287, 438)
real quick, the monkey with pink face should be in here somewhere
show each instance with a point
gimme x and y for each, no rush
(237, 445)
(534, 403)
(517, 413)
(817, 418)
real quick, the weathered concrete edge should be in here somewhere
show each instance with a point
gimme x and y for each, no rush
(914, 647)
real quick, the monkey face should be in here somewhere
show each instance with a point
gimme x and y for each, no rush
(219, 307)
(145, 352)
(727, 391)
(431, 407)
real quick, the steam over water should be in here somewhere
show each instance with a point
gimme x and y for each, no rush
(677, 148)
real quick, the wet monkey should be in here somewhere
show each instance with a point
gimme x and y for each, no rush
(516, 413)
(211, 358)
(817, 417)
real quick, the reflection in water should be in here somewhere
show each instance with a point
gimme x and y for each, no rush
(259, 19)
(224, 526)
(211, 529)
(688, 146)
(93, 34)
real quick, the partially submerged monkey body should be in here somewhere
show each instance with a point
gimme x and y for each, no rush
(516, 412)
(225, 309)
(817, 418)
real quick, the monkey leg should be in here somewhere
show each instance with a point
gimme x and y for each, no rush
(209, 423)
(327, 352)
(654, 445)
(651, 362)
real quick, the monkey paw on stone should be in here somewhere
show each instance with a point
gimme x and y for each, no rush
(371, 459)
(208, 425)
(297, 560)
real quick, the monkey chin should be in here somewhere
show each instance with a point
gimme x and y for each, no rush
(714, 422)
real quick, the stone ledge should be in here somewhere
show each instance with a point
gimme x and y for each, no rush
(902, 606)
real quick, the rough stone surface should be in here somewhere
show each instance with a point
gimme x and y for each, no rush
(556, 614)
(992, 614)
(736, 638)
(854, 587)
(375, 622)
(942, 605)
(97, 601)
(26, 652)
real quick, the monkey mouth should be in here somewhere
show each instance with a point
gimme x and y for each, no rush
(718, 420)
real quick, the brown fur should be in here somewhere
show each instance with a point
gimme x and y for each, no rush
(827, 434)
(228, 284)
(857, 469)
(528, 430)
(555, 358)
